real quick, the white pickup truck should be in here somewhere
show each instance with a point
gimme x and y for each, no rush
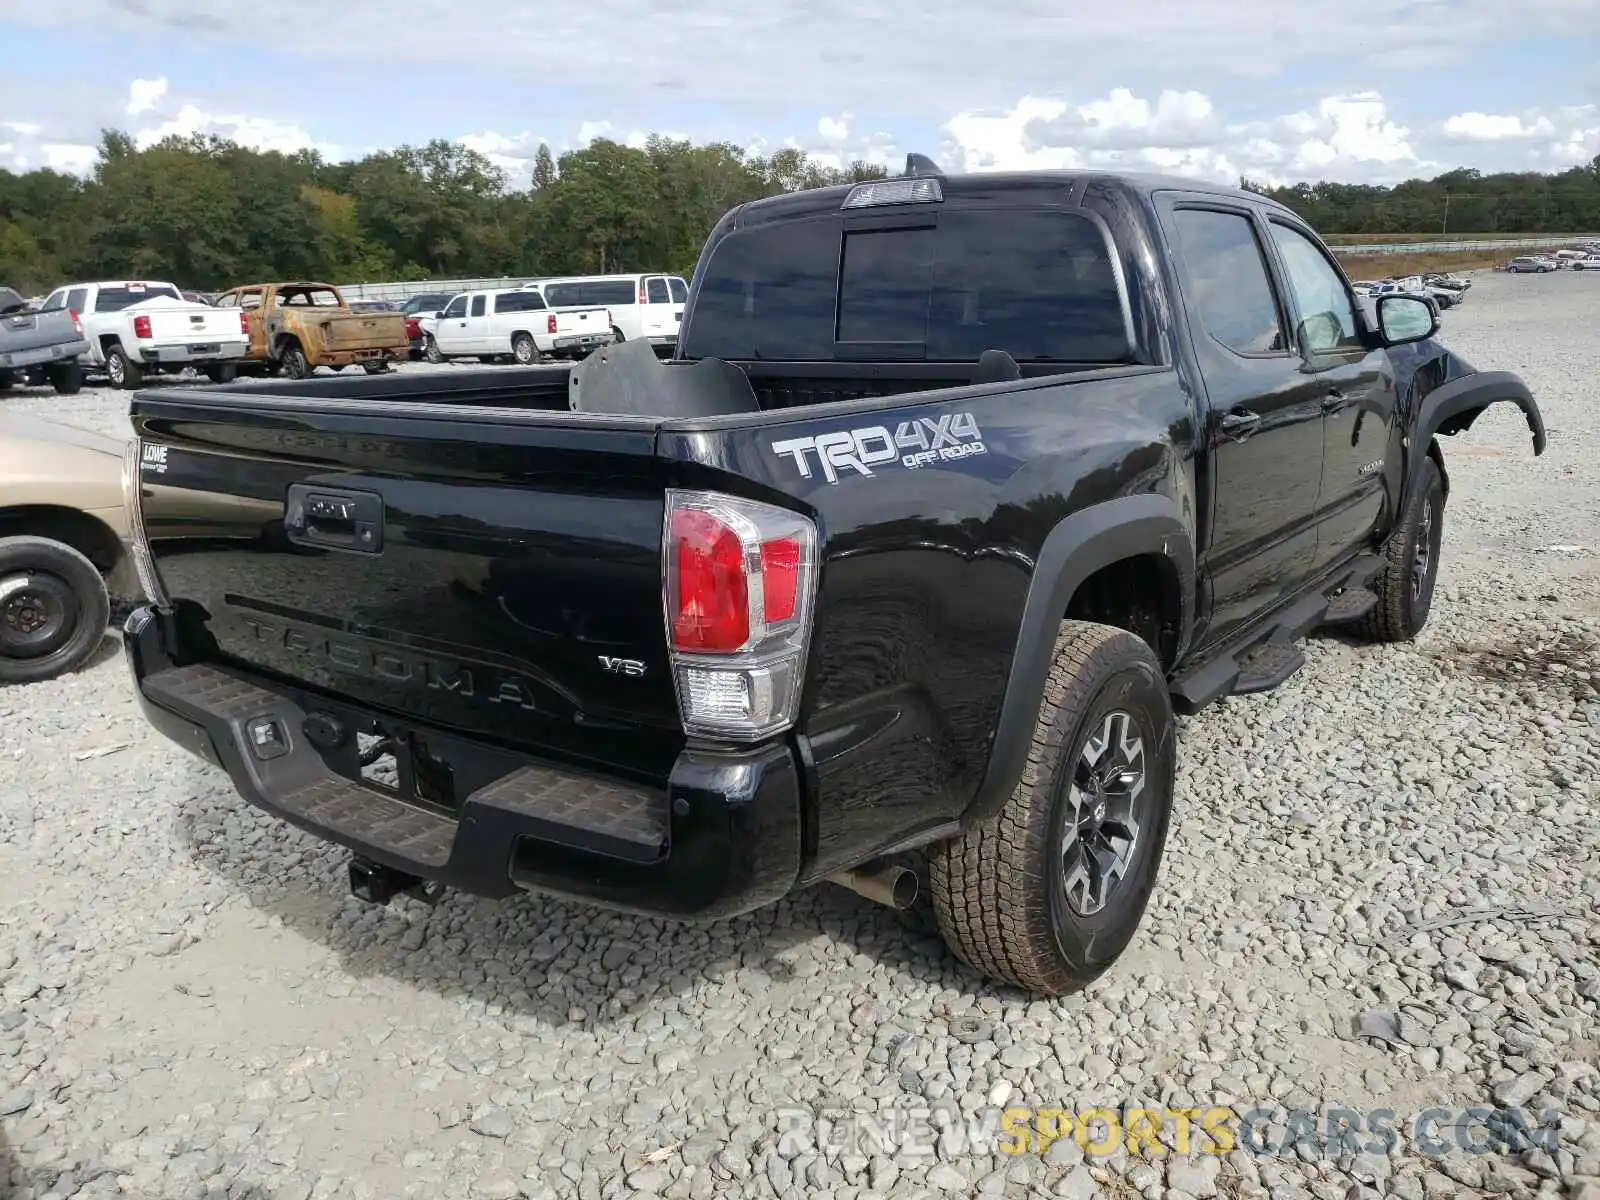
(145, 327)
(516, 323)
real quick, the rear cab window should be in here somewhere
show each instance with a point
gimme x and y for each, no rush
(309, 297)
(116, 297)
(656, 291)
(1037, 283)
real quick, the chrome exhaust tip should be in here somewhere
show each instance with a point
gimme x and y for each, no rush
(890, 884)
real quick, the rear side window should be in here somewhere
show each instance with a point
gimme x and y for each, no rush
(1225, 274)
(1038, 284)
(595, 293)
(479, 304)
(656, 291)
(515, 302)
(115, 299)
(680, 290)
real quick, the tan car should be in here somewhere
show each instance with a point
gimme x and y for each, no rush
(65, 557)
(297, 327)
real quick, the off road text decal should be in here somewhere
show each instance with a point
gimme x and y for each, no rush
(914, 444)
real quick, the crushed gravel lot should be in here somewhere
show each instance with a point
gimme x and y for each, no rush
(1382, 892)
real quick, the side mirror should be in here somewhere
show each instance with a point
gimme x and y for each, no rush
(1406, 319)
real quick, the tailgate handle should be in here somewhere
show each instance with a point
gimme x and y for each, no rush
(334, 519)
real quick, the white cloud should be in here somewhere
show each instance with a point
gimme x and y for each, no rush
(1345, 137)
(145, 94)
(23, 128)
(69, 157)
(259, 133)
(835, 129)
(901, 55)
(1556, 137)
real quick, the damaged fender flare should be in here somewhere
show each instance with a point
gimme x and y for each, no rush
(1453, 407)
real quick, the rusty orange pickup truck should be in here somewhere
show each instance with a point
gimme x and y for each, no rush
(297, 327)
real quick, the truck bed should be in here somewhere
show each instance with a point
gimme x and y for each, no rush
(544, 388)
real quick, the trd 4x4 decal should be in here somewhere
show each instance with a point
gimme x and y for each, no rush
(914, 444)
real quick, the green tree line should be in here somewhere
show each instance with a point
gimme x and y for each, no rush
(1460, 201)
(208, 213)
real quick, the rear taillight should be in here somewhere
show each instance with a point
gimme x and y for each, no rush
(77, 321)
(641, 291)
(141, 327)
(740, 578)
(550, 324)
(244, 323)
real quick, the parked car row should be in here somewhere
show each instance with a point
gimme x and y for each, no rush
(129, 330)
(564, 318)
(1443, 289)
(1585, 258)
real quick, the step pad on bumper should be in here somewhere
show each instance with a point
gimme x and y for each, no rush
(326, 800)
(597, 815)
(587, 814)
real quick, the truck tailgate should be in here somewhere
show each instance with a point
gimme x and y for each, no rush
(571, 321)
(362, 331)
(177, 321)
(476, 583)
(21, 332)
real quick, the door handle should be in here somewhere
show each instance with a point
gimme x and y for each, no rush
(1240, 423)
(1334, 400)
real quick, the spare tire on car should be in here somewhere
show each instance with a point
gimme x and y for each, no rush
(54, 609)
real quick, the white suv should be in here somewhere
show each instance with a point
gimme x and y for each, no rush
(643, 307)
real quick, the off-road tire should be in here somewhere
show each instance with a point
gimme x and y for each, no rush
(66, 378)
(221, 372)
(998, 889)
(121, 370)
(61, 571)
(1402, 612)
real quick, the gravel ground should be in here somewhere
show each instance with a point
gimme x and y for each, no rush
(1382, 892)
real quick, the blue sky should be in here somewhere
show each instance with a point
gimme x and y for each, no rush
(1363, 91)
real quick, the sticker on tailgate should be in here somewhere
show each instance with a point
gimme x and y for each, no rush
(153, 459)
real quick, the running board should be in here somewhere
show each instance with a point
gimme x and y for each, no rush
(1268, 655)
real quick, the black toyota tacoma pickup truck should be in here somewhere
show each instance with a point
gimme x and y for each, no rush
(957, 489)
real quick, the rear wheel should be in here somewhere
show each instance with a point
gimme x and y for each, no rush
(1047, 893)
(524, 350)
(66, 378)
(294, 361)
(6, 380)
(1411, 565)
(616, 335)
(375, 368)
(122, 370)
(430, 350)
(53, 609)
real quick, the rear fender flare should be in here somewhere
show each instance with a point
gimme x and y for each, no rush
(1080, 545)
(1452, 407)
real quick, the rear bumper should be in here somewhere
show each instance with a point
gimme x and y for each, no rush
(192, 353)
(580, 343)
(722, 838)
(363, 354)
(61, 353)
